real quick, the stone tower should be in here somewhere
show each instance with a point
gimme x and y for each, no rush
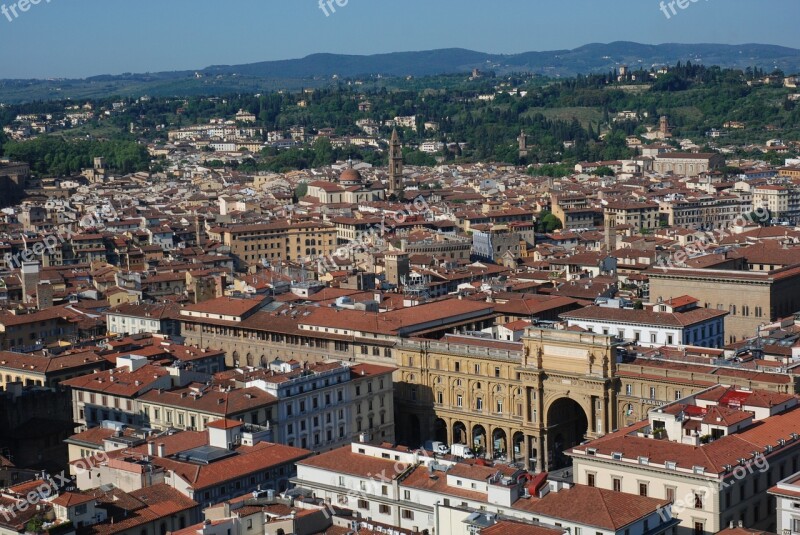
(523, 145)
(663, 126)
(610, 233)
(395, 164)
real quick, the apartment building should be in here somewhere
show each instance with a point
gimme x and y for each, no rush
(41, 369)
(639, 215)
(783, 202)
(677, 321)
(324, 405)
(787, 497)
(653, 377)
(286, 241)
(196, 405)
(136, 318)
(229, 459)
(248, 332)
(705, 212)
(751, 298)
(31, 332)
(402, 488)
(713, 454)
(113, 394)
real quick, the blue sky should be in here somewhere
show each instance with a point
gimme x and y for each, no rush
(77, 38)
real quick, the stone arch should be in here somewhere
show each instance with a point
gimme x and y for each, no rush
(567, 424)
(440, 430)
(500, 443)
(518, 453)
(460, 434)
(479, 437)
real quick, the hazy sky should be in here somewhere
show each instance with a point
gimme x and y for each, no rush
(77, 38)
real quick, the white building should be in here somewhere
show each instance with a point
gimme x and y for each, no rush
(403, 488)
(787, 507)
(678, 321)
(713, 454)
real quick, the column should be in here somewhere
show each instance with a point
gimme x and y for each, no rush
(541, 453)
(449, 425)
(526, 446)
(510, 445)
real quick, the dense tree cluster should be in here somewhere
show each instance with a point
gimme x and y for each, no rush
(565, 121)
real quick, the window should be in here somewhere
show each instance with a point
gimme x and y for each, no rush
(652, 392)
(477, 369)
(616, 484)
(479, 404)
(629, 390)
(459, 400)
(698, 528)
(363, 504)
(499, 406)
(590, 480)
(439, 397)
(698, 500)
(643, 489)
(406, 494)
(407, 514)
(384, 509)
(669, 492)
(384, 490)
(497, 371)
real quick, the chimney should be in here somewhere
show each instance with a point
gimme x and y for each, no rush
(162, 450)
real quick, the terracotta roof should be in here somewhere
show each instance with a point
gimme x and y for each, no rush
(593, 506)
(661, 319)
(345, 461)
(512, 527)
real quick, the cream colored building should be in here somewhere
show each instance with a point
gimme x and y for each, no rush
(714, 454)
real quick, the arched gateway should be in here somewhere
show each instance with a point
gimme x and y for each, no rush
(535, 400)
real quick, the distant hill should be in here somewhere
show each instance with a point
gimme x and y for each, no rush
(596, 57)
(316, 69)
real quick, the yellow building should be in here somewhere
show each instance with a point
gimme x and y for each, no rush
(283, 241)
(526, 402)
